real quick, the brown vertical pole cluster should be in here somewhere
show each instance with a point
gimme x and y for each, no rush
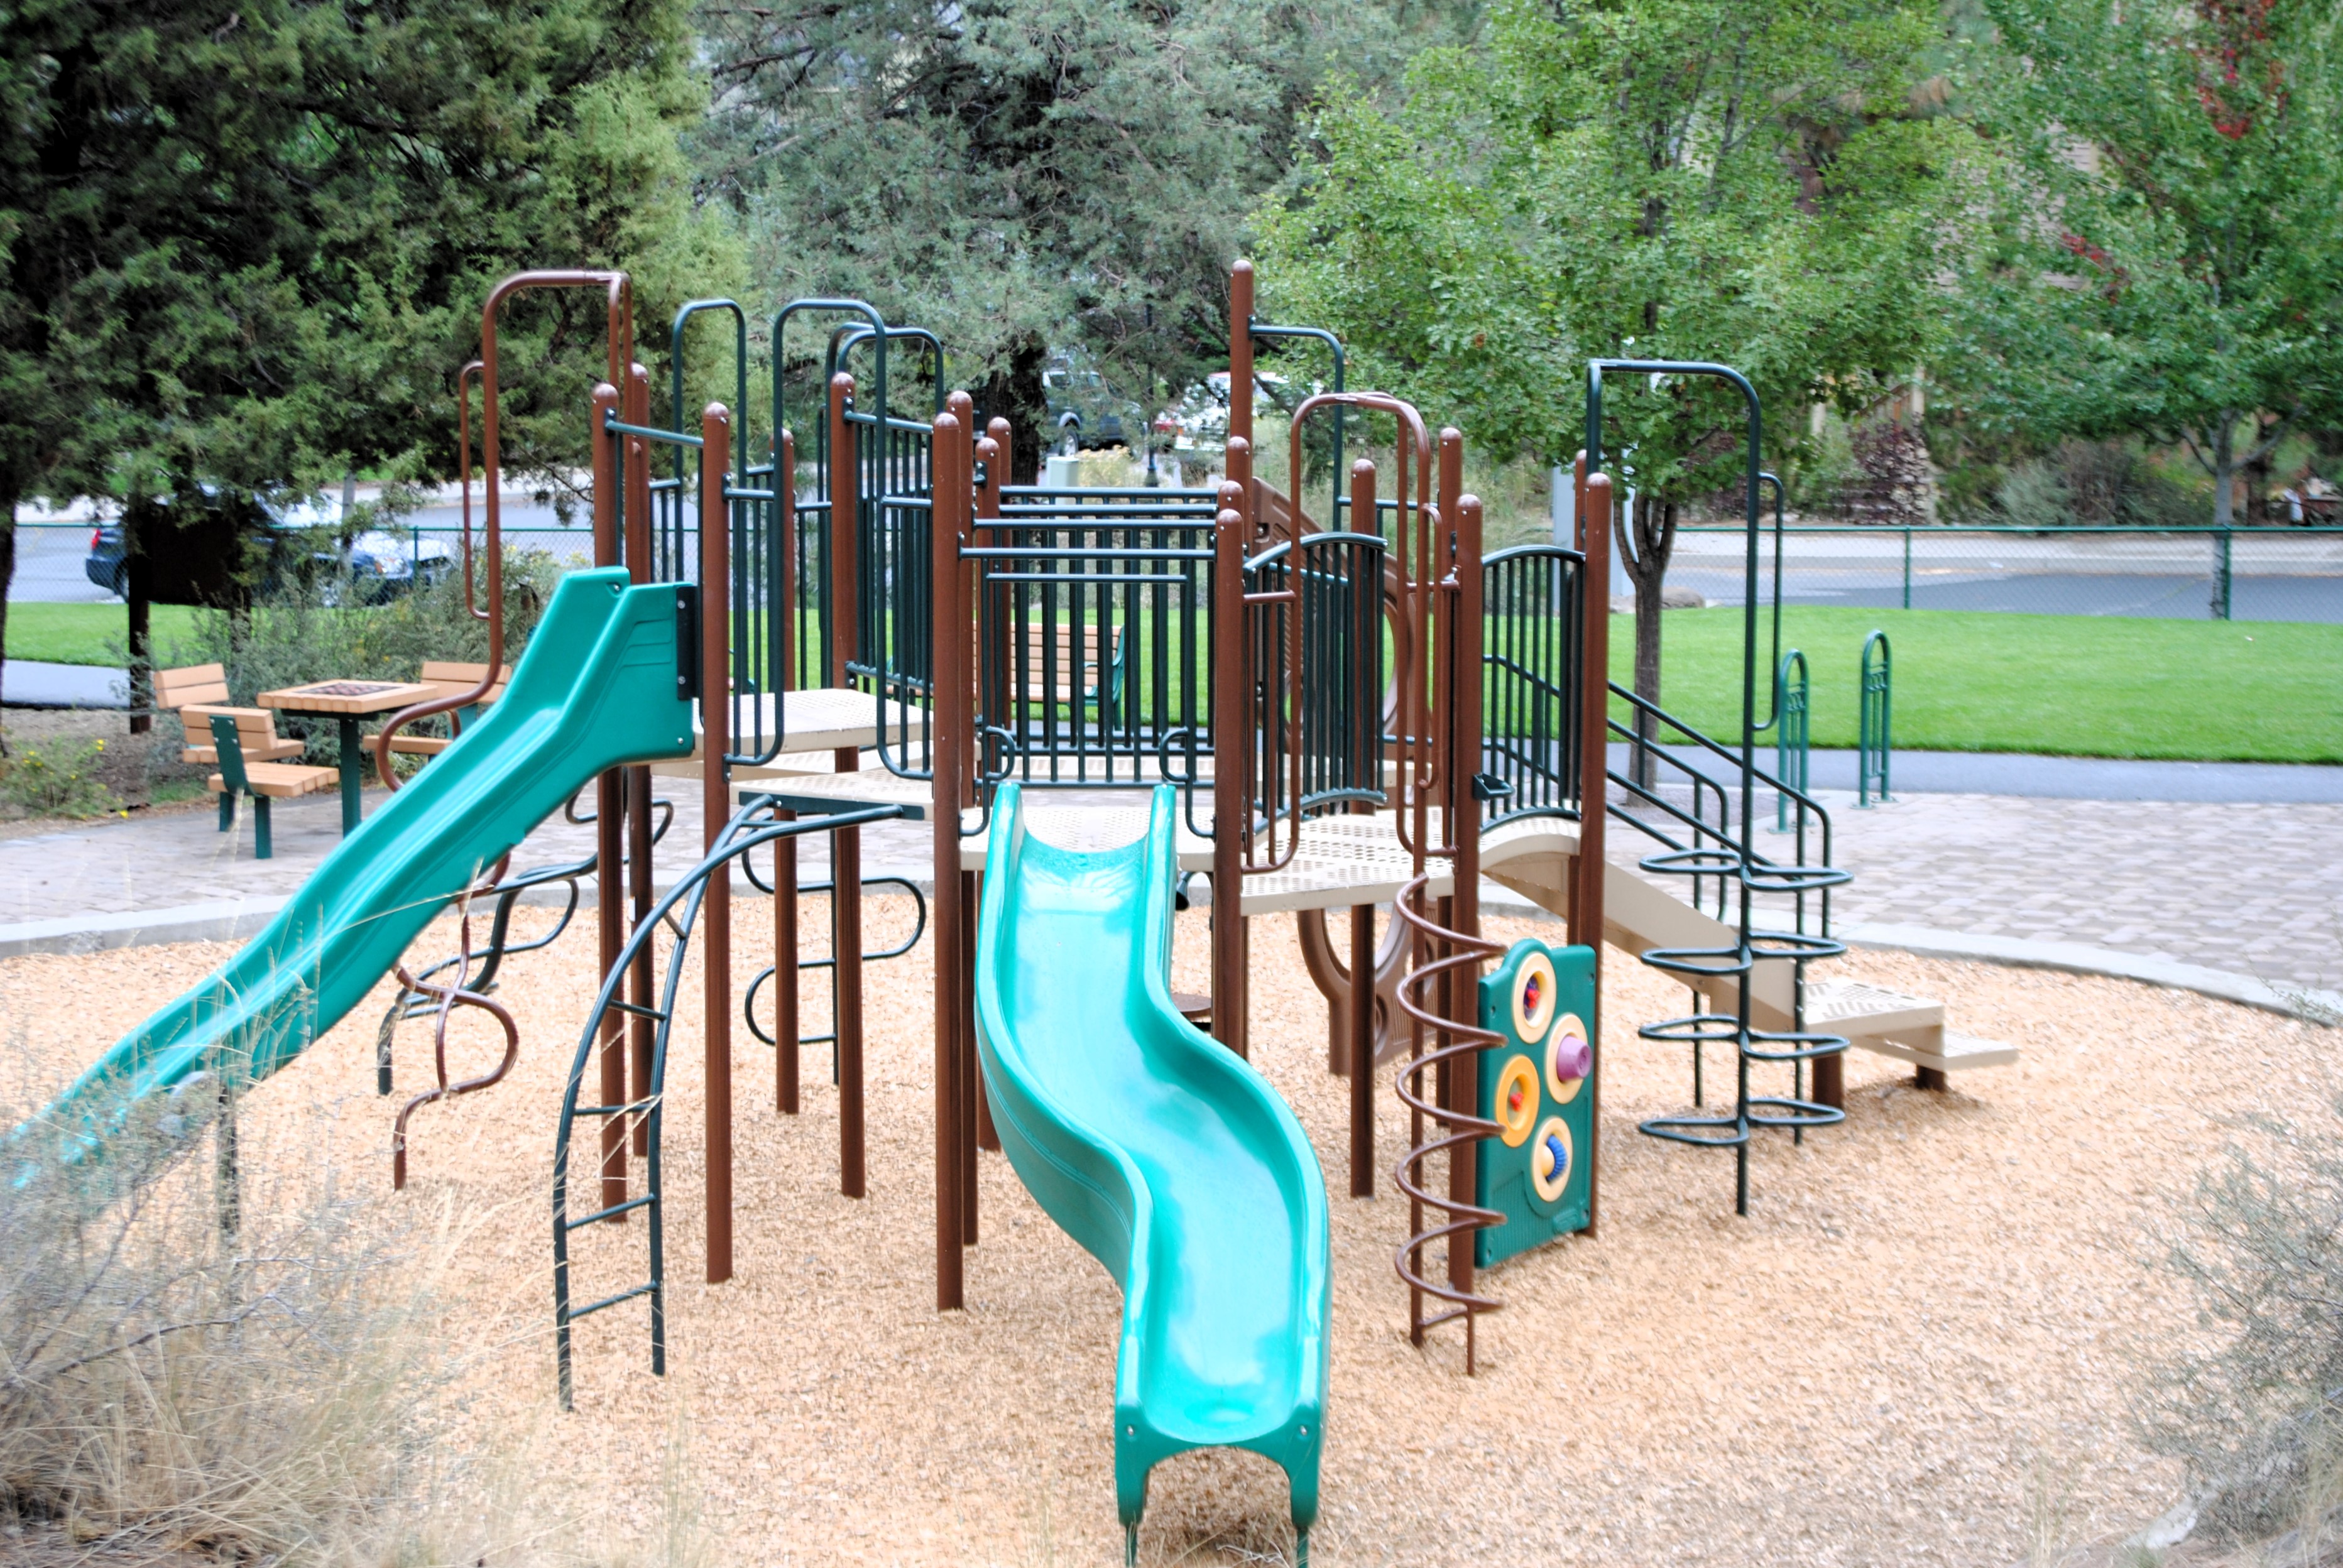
(715, 807)
(1241, 357)
(947, 720)
(1362, 1010)
(960, 473)
(610, 847)
(787, 1027)
(1231, 751)
(845, 843)
(1594, 790)
(642, 983)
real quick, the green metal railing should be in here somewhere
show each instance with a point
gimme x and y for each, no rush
(1874, 740)
(1791, 744)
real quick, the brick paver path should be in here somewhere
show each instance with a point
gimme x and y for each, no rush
(2253, 888)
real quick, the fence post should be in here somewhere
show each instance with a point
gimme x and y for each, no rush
(2221, 574)
(1907, 568)
(1790, 742)
(1874, 740)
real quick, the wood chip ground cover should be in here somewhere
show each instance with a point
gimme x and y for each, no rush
(1917, 1348)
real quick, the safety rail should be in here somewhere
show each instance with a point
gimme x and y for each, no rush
(1314, 625)
(1533, 628)
(748, 827)
(1092, 647)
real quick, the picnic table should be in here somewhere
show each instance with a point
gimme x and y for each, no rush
(347, 702)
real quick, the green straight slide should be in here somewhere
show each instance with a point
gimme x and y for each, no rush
(596, 688)
(1168, 1158)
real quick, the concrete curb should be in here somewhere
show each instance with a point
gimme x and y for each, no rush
(2081, 958)
(238, 919)
(224, 921)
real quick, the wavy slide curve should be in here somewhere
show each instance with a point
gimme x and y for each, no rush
(1172, 1160)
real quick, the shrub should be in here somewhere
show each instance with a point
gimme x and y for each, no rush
(58, 781)
(297, 632)
(2255, 1409)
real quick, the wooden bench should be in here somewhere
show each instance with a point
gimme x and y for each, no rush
(1067, 664)
(199, 691)
(449, 678)
(259, 781)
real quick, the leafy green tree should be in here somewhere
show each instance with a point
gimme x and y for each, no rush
(245, 243)
(1025, 176)
(1660, 179)
(2165, 258)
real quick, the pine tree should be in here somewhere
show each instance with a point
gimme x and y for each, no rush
(245, 243)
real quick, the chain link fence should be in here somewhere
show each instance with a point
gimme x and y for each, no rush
(2237, 573)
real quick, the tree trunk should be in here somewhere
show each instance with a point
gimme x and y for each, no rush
(137, 588)
(8, 576)
(1646, 537)
(2225, 472)
(1015, 393)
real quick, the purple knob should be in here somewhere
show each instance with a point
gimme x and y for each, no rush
(1573, 1058)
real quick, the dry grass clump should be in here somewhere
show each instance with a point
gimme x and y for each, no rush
(212, 1353)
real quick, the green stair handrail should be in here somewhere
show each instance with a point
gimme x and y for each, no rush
(1875, 741)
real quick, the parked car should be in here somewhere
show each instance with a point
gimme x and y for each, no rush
(379, 563)
(1084, 409)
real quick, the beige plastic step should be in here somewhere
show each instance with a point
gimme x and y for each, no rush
(1533, 857)
(1955, 1053)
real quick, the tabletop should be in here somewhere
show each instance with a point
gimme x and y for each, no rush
(347, 697)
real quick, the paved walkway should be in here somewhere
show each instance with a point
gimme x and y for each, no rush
(2252, 888)
(31, 683)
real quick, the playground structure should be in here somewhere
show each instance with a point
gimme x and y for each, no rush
(987, 645)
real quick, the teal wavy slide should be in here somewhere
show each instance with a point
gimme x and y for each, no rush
(596, 688)
(1172, 1162)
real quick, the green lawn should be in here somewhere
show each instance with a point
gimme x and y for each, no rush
(2090, 685)
(85, 633)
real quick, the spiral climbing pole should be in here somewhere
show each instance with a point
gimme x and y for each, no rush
(1444, 791)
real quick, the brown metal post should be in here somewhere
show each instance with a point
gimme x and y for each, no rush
(642, 982)
(1463, 640)
(1232, 741)
(715, 808)
(846, 972)
(1241, 357)
(846, 843)
(1361, 1022)
(993, 452)
(787, 1025)
(1593, 791)
(609, 845)
(947, 728)
(960, 470)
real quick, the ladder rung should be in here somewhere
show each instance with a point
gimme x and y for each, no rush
(578, 1313)
(639, 1011)
(818, 1040)
(630, 1109)
(611, 1213)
